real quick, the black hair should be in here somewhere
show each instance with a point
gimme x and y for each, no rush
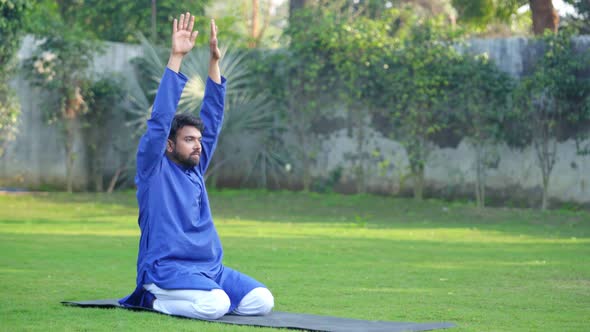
(184, 119)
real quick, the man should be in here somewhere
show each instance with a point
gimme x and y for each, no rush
(179, 265)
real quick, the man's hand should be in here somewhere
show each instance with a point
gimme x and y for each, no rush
(214, 72)
(215, 53)
(183, 40)
(183, 36)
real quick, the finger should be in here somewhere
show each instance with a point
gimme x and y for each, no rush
(175, 25)
(191, 24)
(213, 29)
(181, 22)
(187, 18)
(194, 36)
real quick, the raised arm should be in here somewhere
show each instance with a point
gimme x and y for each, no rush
(214, 72)
(153, 143)
(213, 102)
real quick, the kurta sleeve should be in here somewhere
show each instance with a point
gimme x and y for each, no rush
(152, 144)
(212, 116)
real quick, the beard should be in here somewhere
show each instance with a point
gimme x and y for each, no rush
(189, 162)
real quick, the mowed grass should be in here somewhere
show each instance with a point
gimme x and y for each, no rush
(365, 257)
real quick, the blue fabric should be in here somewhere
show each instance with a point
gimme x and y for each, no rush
(179, 247)
(236, 285)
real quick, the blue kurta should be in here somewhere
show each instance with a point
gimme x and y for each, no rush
(179, 244)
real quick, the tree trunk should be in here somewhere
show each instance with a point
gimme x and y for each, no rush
(69, 147)
(114, 179)
(306, 176)
(98, 180)
(256, 31)
(302, 130)
(360, 152)
(545, 199)
(254, 24)
(479, 177)
(415, 150)
(546, 150)
(544, 16)
(419, 183)
(120, 170)
(306, 171)
(95, 155)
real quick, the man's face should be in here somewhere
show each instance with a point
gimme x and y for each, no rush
(186, 150)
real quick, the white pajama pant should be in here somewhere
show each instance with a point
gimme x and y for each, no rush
(209, 304)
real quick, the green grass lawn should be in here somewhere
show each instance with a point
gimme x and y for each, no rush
(365, 257)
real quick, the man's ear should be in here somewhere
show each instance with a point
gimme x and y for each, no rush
(170, 145)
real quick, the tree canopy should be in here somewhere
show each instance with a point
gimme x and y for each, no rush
(116, 20)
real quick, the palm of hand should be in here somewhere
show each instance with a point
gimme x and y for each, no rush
(181, 42)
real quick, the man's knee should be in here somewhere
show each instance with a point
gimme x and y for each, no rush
(267, 301)
(258, 301)
(213, 306)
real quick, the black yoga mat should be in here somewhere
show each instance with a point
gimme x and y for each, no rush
(295, 321)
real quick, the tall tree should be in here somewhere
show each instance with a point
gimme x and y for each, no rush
(11, 30)
(481, 99)
(419, 91)
(309, 30)
(103, 97)
(553, 101)
(59, 65)
(544, 16)
(359, 49)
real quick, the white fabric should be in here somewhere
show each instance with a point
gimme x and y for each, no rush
(209, 304)
(190, 302)
(258, 301)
